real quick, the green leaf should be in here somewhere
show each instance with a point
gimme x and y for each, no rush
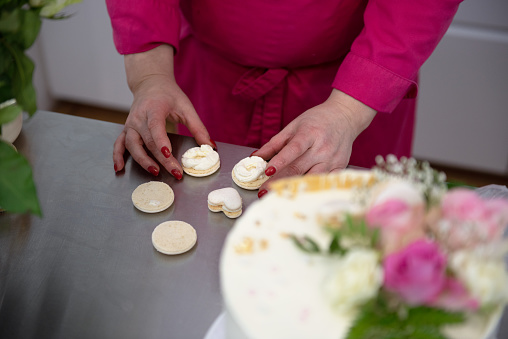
(20, 27)
(17, 188)
(10, 112)
(334, 246)
(377, 320)
(30, 27)
(6, 59)
(306, 244)
(10, 21)
(22, 82)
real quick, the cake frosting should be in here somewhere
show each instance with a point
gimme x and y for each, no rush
(273, 289)
(200, 158)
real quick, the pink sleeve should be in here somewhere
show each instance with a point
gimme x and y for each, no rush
(398, 36)
(140, 25)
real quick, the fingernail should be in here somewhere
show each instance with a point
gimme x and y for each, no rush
(213, 144)
(165, 151)
(261, 193)
(270, 171)
(176, 173)
(116, 168)
(153, 170)
(253, 153)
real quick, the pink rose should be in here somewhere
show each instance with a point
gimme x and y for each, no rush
(467, 220)
(416, 273)
(400, 223)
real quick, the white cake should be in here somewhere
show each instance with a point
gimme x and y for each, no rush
(273, 289)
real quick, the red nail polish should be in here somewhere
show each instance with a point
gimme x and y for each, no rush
(153, 170)
(116, 168)
(213, 144)
(176, 173)
(270, 171)
(165, 151)
(261, 193)
(253, 153)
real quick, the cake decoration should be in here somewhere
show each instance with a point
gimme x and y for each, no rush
(386, 253)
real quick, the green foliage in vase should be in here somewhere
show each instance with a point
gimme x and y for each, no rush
(20, 23)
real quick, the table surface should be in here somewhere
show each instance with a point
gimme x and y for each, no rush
(87, 268)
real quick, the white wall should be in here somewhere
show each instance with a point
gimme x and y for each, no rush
(463, 100)
(80, 59)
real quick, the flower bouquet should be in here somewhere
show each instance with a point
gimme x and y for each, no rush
(420, 260)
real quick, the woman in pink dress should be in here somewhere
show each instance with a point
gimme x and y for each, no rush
(315, 85)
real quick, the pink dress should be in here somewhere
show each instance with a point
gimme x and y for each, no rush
(252, 66)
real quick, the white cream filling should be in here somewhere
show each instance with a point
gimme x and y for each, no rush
(250, 169)
(200, 158)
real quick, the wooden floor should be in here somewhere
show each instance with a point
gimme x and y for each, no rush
(458, 175)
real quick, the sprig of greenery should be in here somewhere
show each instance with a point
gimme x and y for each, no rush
(354, 231)
(378, 321)
(306, 244)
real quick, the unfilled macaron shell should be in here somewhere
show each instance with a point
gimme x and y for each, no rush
(174, 237)
(153, 197)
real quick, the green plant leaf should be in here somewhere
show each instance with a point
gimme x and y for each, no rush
(10, 21)
(9, 113)
(22, 82)
(20, 27)
(30, 27)
(17, 188)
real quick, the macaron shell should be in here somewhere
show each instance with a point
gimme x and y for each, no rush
(174, 237)
(153, 197)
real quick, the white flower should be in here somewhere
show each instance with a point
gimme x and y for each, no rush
(51, 7)
(486, 280)
(356, 280)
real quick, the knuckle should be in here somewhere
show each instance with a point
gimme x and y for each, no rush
(150, 144)
(293, 169)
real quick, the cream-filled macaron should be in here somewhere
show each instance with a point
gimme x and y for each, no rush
(153, 197)
(200, 161)
(174, 237)
(249, 173)
(227, 200)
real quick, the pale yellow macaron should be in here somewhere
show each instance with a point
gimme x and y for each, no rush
(249, 173)
(226, 200)
(200, 161)
(153, 197)
(174, 237)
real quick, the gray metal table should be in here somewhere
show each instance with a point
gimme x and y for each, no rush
(87, 268)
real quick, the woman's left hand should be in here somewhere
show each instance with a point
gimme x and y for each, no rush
(318, 141)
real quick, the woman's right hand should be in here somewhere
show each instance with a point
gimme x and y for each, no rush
(157, 99)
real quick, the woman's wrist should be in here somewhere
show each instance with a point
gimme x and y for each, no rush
(155, 62)
(358, 114)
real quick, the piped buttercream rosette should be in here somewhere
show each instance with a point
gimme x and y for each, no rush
(249, 173)
(200, 161)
